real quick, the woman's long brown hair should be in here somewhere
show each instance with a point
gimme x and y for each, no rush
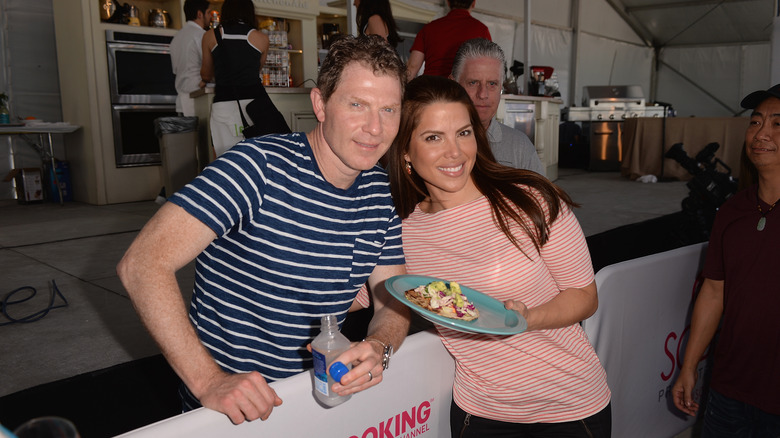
(500, 184)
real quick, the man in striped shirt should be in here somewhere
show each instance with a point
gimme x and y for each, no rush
(286, 229)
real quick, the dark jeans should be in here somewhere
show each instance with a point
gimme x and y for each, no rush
(464, 425)
(725, 417)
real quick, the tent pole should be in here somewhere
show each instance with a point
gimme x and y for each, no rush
(527, 44)
(575, 51)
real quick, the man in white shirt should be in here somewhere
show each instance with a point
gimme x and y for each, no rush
(186, 54)
(479, 67)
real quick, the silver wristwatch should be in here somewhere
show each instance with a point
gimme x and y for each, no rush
(387, 351)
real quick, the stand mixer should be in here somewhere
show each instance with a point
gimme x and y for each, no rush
(510, 83)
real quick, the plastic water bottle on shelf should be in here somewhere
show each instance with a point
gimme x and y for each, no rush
(5, 115)
(266, 77)
(325, 348)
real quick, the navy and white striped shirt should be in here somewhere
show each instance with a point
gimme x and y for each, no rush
(290, 248)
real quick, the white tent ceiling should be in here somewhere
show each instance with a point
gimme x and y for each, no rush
(667, 23)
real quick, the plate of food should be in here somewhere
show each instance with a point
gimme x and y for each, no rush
(455, 306)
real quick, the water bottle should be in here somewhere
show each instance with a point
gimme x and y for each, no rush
(5, 115)
(325, 348)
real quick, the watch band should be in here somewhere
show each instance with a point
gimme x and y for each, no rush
(387, 351)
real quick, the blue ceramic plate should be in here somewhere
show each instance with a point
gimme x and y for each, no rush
(493, 318)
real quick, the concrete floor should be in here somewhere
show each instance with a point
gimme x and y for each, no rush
(78, 246)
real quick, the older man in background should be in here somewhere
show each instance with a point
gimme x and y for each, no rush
(479, 67)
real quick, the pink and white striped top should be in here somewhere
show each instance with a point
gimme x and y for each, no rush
(539, 376)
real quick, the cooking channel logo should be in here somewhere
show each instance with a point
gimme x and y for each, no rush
(410, 423)
(674, 350)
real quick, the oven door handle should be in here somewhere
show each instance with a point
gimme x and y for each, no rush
(145, 48)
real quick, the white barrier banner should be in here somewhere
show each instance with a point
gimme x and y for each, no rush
(639, 333)
(413, 401)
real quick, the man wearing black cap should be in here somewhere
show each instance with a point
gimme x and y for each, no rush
(742, 286)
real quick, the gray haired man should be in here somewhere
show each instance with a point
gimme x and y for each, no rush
(479, 67)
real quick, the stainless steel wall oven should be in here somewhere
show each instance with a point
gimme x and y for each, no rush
(142, 88)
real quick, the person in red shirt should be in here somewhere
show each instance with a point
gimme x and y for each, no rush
(437, 41)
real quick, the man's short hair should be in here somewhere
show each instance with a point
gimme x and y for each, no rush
(460, 4)
(192, 7)
(754, 99)
(371, 51)
(477, 48)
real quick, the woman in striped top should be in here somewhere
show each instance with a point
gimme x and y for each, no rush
(511, 234)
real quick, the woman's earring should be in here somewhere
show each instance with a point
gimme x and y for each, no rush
(409, 168)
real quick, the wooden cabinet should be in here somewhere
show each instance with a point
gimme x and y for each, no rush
(293, 103)
(539, 118)
(172, 7)
(86, 98)
(298, 18)
(548, 119)
(284, 62)
(86, 101)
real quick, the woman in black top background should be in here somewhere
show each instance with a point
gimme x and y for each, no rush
(375, 17)
(233, 60)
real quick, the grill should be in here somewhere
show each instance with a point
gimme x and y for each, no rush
(611, 104)
(603, 110)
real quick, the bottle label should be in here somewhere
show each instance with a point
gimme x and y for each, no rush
(320, 375)
(5, 118)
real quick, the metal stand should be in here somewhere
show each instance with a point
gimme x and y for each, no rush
(47, 146)
(54, 168)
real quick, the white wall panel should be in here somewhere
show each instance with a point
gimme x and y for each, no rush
(33, 65)
(29, 76)
(724, 75)
(603, 61)
(552, 12)
(549, 47)
(686, 100)
(775, 51)
(756, 69)
(506, 8)
(502, 31)
(6, 161)
(598, 17)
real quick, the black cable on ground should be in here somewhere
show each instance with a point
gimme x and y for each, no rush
(35, 316)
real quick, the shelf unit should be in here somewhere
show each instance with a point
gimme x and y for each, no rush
(284, 61)
(298, 19)
(173, 7)
(547, 112)
(85, 95)
(86, 100)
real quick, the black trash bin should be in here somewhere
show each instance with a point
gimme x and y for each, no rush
(572, 147)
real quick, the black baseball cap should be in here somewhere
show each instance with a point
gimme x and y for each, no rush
(752, 100)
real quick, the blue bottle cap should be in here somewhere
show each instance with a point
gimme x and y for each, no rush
(337, 371)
